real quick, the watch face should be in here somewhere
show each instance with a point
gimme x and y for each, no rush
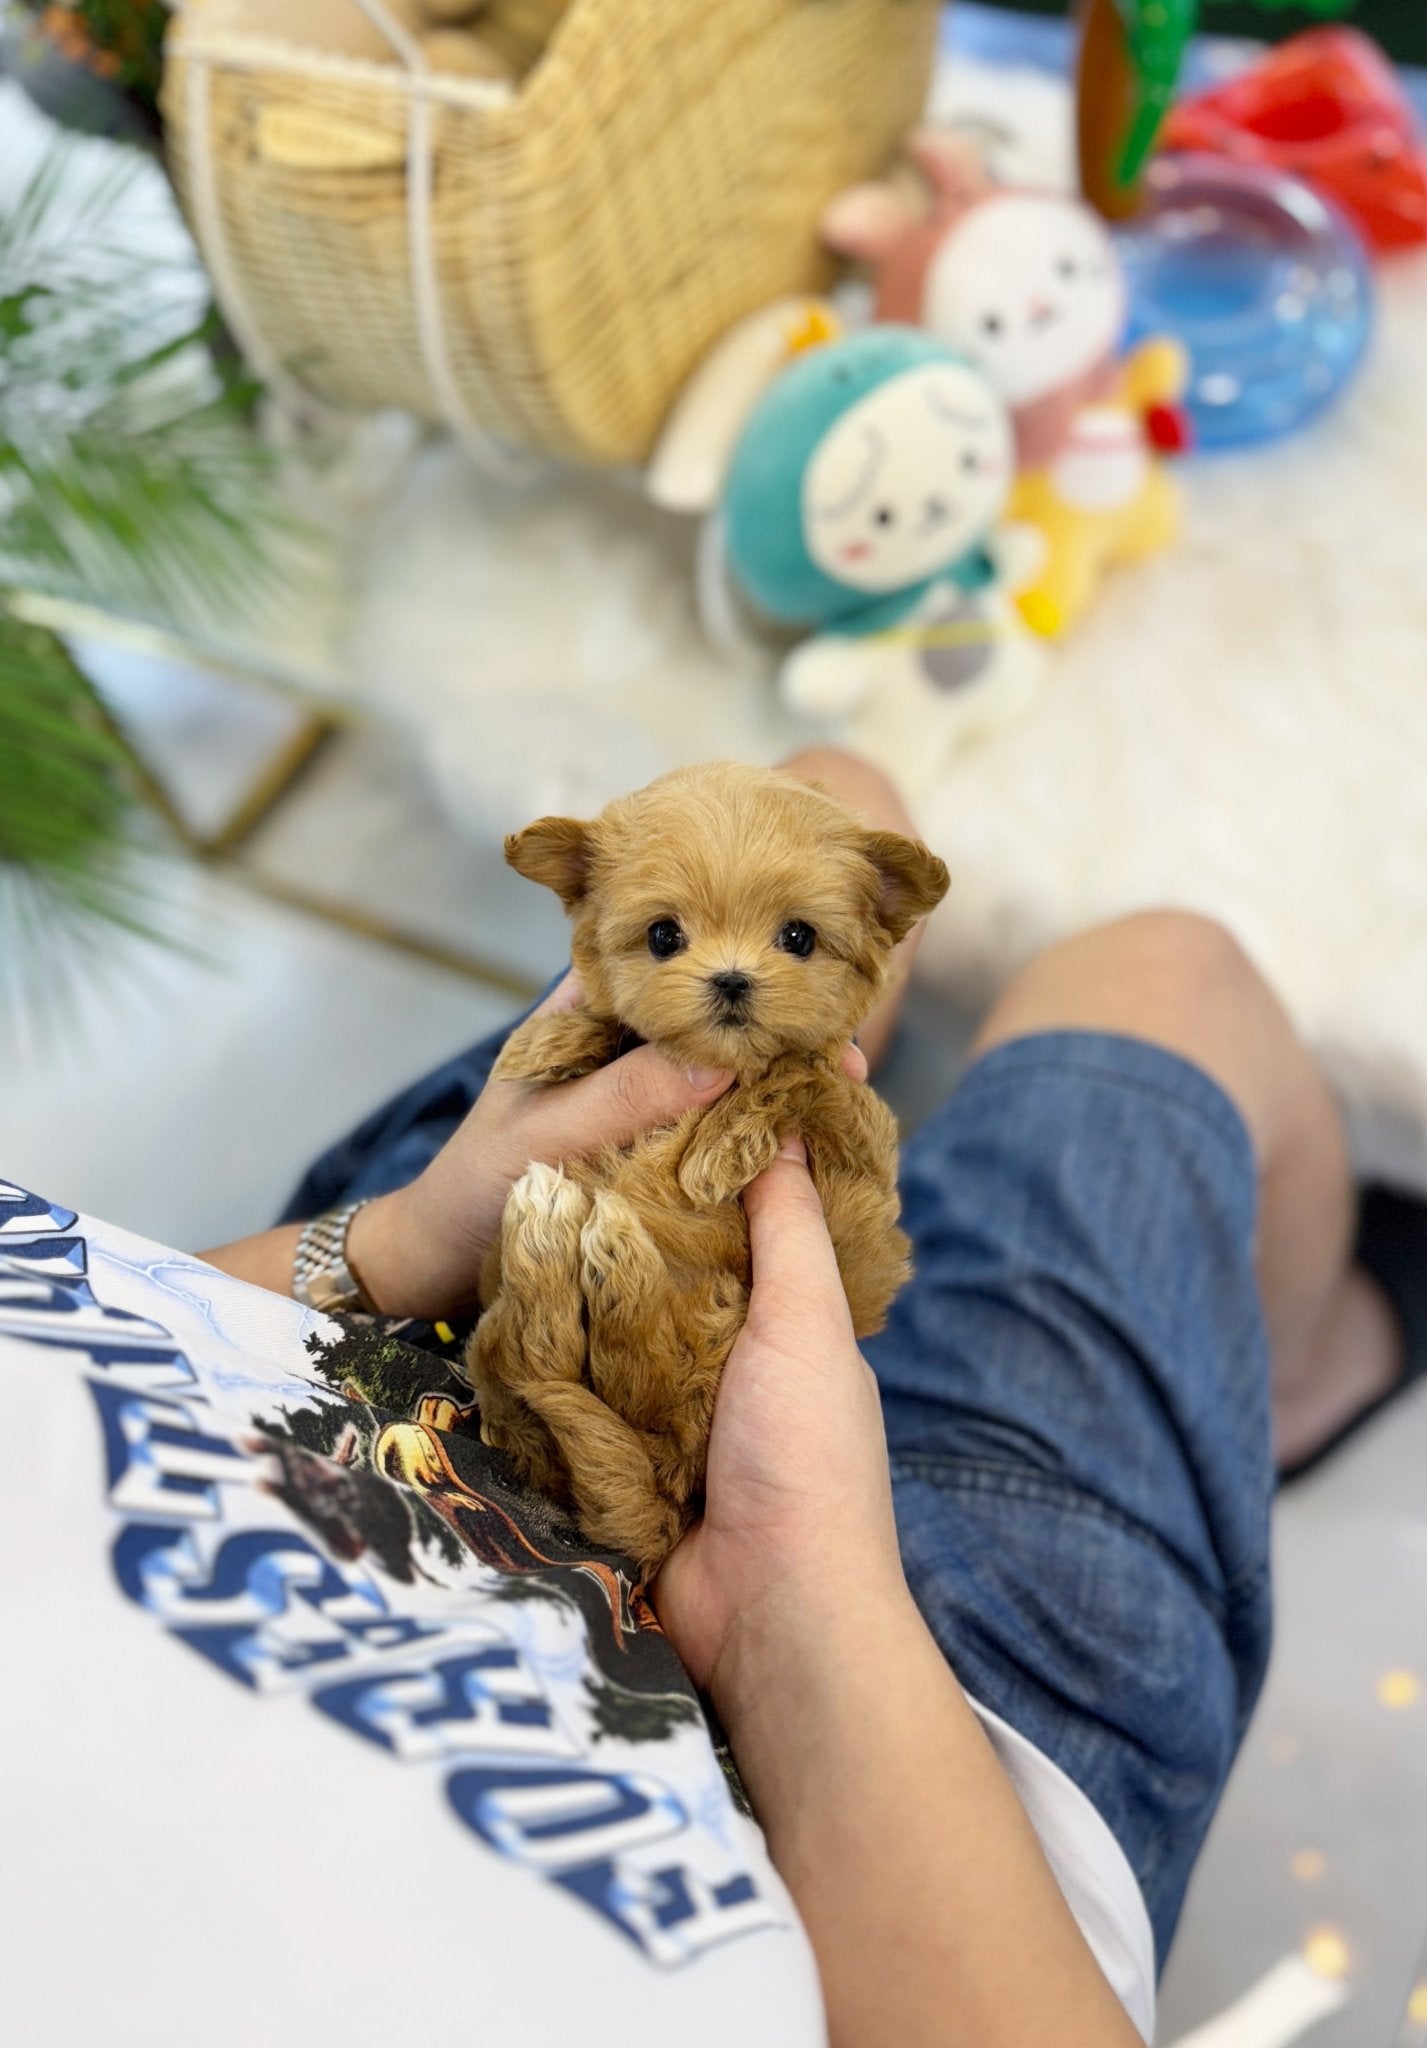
(325, 1289)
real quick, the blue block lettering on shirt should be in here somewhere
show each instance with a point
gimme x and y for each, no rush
(672, 1914)
(252, 1657)
(256, 1572)
(22, 1213)
(157, 1460)
(252, 1579)
(265, 1567)
(465, 1701)
(148, 1553)
(45, 1307)
(549, 1817)
(63, 1257)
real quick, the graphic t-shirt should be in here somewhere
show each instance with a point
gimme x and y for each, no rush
(317, 1729)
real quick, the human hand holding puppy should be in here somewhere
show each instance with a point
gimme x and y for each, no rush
(420, 1249)
(798, 1503)
(736, 925)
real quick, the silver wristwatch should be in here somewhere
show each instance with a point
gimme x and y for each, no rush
(321, 1277)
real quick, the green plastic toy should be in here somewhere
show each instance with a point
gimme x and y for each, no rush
(1130, 57)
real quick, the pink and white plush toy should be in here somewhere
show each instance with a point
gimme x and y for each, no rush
(1028, 285)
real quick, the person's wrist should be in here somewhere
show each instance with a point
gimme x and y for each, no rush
(801, 1690)
(389, 1251)
(797, 1637)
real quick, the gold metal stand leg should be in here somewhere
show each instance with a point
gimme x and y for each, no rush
(220, 851)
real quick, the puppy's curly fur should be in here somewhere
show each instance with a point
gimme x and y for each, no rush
(733, 917)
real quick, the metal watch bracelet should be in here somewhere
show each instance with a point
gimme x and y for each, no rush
(321, 1277)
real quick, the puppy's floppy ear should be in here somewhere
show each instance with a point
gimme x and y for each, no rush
(912, 879)
(555, 852)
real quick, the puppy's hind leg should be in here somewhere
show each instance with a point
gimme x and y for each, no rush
(629, 1304)
(507, 1423)
(612, 1478)
(656, 1352)
(533, 1332)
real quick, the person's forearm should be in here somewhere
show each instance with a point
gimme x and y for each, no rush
(265, 1260)
(387, 1251)
(929, 1903)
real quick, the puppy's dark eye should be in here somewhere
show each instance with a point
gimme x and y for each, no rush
(797, 938)
(1067, 266)
(883, 515)
(991, 323)
(665, 938)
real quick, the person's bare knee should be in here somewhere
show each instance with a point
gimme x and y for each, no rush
(856, 782)
(1175, 979)
(878, 801)
(1183, 982)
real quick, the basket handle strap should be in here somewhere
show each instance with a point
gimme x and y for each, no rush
(485, 449)
(213, 237)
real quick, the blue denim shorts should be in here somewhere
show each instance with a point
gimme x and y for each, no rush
(1076, 1392)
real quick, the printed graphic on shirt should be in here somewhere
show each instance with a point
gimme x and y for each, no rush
(407, 1417)
(351, 1546)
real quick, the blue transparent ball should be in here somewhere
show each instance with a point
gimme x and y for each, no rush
(1265, 284)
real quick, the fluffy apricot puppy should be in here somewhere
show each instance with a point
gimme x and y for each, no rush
(733, 917)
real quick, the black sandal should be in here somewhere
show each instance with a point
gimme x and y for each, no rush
(1392, 1247)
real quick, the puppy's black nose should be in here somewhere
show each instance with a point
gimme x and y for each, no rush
(730, 986)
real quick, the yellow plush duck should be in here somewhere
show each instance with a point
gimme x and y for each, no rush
(1104, 496)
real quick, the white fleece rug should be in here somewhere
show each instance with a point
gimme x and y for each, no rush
(1240, 726)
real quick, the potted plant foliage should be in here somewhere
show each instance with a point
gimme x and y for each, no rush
(129, 479)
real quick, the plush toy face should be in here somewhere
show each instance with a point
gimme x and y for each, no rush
(907, 479)
(868, 467)
(1030, 287)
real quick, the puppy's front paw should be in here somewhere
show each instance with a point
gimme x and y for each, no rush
(703, 1181)
(545, 1076)
(617, 1255)
(534, 1328)
(712, 1172)
(559, 1048)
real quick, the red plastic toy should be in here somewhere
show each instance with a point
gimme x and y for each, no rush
(1327, 106)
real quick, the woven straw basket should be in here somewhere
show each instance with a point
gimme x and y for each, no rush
(545, 265)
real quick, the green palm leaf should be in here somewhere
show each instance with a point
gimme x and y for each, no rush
(129, 475)
(71, 868)
(159, 516)
(129, 478)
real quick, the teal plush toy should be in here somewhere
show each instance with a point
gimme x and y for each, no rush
(861, 502)
(871, 465)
